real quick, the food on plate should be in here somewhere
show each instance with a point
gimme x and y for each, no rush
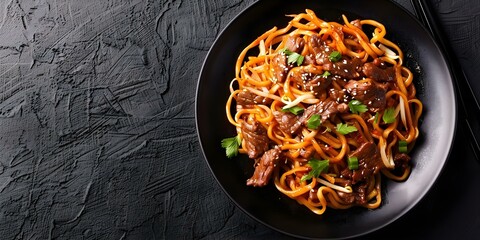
(326, 110)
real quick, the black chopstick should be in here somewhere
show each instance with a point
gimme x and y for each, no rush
(469, 105)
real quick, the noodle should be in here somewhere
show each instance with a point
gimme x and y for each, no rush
(325, 111)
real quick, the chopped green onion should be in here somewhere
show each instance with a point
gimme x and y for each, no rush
(389, 115)
(314, 121)
(402, 146)
(376, 118)
(295, 110)
(353, 163)
(335, 56)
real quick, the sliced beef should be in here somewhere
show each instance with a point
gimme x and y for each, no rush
(326, 109)
(280, 61)
(357, 196)
(369, 161)
(339, 95)
(246, 98)
(280, 67)
(287, 122)
(346, 67)
(264, 168)
(402, 162)
(320, 49)
(369, 93)
(309, 78)
(379, 74)
(256, 139)
(343, 107)
(295, 43)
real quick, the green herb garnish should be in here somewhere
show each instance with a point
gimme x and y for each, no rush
(295, 110)
(314, 121)
(376, 118)
(357, 107)
(231, 146)
(389, 115)
(402, 146)
(344, 128)
(353, 163)
(318, 167)
(335, 56)
(293, 57)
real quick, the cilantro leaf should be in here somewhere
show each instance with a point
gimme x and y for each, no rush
(318, 167)
(335, 56)
(231, 146)
(295, 110)
(389, 115)
(314, 121)
(344, 128)
(293, 57)
(357, 107)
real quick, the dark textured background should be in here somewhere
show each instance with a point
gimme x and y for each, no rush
(97, 125)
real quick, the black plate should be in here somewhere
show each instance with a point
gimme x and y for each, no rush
(269, 206)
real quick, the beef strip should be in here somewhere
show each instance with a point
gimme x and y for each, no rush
(280, 64)
(295, 43)
(256, 139)
(346, 67)
(246, 98)
(280, 67)
(339, 95)
(320, 49)
(326, 109)
(357, 196)
(264, 168)
(309, 78)
(287, 122)
(369, 161)
(369, 93)
(402, 161)
(379, 74)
